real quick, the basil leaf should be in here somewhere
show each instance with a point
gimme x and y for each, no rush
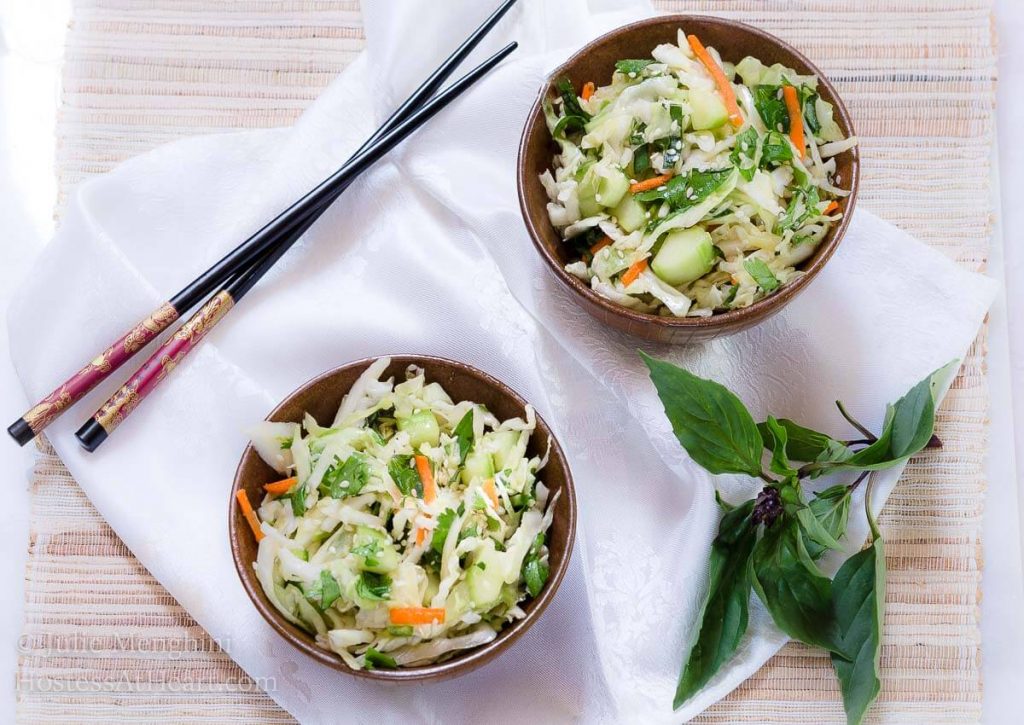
(764, 277)
(808, 96)
(463, 433)
(775, 150)
(401, 470)
(570, 101)
(744, 154)
(641, 159)
(780, 457)
(804, 444)
(771, 108)
(796, 593)
(347, 479)
(535, 571)
(859, 602)
(374, 659)
(909, 424)
(323, 591)
(632, 67)
(373, 587)
(298, 500)
(725, 610)
(831, 508)
(568, 124)
(711, 423)
(815, 534)
(535, 574)
(684, 191)
(444, 525)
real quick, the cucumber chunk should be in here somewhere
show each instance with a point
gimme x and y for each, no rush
(478, 465)
(612, 189)
(422, 428)
(685, 256)
(707, 110)
(597, 192)
(503, 444)
(374, 550)
(630, 213)
(485, 583)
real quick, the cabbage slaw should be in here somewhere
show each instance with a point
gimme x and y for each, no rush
(690, 186)
(411, 528)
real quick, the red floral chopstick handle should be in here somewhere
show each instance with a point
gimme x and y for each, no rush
(121, 404)
(78, 385)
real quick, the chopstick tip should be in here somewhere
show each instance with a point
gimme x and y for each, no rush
(21, 431)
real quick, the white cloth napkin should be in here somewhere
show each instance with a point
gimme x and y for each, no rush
(428, 254)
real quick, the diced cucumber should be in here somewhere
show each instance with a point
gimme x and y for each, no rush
(503, 444)
(613, 188)
(630, 213)
(684, 256)
(707, 110)
(478, 465)
(588, 190)
(374, 550)
(485, 583)
(422, 428)
(598, 192)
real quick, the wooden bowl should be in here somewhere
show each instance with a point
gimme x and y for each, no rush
(596, 62)
(321, 398)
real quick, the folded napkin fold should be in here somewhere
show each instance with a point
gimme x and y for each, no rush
(428, 254)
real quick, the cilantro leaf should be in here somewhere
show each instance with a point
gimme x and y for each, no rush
(374, 659)
(630, 67)
(444, 525)
(347, 479)
(771, 108)
(373, 587)
(323, 591)
(463, 433)
(764, 277)
(401, 470)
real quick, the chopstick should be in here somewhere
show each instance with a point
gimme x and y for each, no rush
(190, 334)
(284, 229)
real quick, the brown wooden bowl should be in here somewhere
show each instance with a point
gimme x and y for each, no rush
(595, 62)
(321, 397)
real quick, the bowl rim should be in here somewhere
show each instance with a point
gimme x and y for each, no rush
(734, 319)
(460, 663)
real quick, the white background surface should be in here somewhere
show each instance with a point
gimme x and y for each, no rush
(31, 39)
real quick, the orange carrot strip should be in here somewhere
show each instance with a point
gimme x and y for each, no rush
(588, 90)
(491, 491)
(633, 272)
(427, 477)
(796, 118)
(650, 183)
(254, 523)
(421, 535)
(832, 206)
(600, 245)
(416, 615)
(722, 83)
(280, 487)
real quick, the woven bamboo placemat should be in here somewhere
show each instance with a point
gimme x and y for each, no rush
(102, 639)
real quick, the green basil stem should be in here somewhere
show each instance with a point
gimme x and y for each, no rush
(855, 423)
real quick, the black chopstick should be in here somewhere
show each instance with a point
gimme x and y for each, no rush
(190, 334)
(283, 229)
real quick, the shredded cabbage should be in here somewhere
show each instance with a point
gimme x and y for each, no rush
(360, 535)
(665, 118)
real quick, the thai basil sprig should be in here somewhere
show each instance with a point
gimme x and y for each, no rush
(769, 544)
